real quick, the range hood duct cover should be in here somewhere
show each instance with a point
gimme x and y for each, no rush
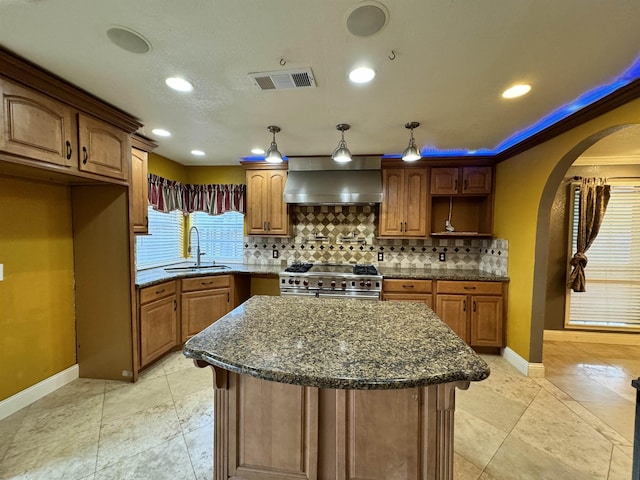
(321, 181)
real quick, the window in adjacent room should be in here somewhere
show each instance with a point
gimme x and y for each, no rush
(612, 299)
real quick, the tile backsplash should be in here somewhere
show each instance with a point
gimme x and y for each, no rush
(347, 234)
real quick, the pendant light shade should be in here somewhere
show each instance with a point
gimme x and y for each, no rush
(342, 154)
(272, 154)
(411, 153)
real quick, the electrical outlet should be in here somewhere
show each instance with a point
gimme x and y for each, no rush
(380, 256)
(442, 257)
(275, 253)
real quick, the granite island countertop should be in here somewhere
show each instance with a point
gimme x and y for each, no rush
(337, 343)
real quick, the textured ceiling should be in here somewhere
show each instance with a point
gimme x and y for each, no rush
(452, 61)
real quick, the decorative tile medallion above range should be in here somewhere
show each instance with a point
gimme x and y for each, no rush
(344, 234)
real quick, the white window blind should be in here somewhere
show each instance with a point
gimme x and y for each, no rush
(220, 235)
(612, 297)
(164, 244)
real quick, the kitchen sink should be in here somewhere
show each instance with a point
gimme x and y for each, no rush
(195, 268)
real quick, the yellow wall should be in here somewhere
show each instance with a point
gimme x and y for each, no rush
(37, 324)
(166, 168)
(225, 174)
(519, 185)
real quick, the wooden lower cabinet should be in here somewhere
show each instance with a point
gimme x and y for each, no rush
(407, 290)
(474, 310)
(159, 328)
(272, 431)
(204, 300)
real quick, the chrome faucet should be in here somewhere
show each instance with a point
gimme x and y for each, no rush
(198, 252)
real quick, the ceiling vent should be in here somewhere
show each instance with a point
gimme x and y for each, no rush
(283, 79)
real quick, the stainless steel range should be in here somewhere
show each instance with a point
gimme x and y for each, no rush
(331, 280)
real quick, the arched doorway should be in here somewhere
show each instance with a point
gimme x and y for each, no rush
(542, 247)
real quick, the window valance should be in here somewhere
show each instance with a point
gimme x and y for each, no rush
(215, 199)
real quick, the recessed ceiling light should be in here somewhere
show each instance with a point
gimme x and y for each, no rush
(161, 132)
(516, 91)
(257, 151)
(362, 75)
(197, 153)
(179, 84)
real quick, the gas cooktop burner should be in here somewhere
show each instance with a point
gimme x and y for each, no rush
(365, 270)
(299, 267)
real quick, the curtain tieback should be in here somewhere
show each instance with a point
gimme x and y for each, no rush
(579, 259)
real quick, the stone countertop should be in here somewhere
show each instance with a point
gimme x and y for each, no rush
(441, 274)
(337, 343)
(153, 276)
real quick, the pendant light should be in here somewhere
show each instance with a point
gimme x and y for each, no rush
(273, 155)
(342, 154)
(411, 153)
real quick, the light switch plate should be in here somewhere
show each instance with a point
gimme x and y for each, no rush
(1, 272)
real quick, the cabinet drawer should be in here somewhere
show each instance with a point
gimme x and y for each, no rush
(205, 283)
(149, 294)
(407, 286)
(470, 288)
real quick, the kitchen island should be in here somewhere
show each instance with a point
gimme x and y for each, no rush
(308, 388)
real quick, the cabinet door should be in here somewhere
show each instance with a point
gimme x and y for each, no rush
(452, 309)
(444, 181)
(277, 218)
(201, 308)
(158, 329)
(415, 210)
(35, 126)
(486, 321)
(104, 149)
(407, 297)
(139, 191)
(257, 184)
(476, 180)
(393, 197)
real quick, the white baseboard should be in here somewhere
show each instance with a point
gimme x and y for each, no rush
(592, 337)
(26, 397)
(535, 370)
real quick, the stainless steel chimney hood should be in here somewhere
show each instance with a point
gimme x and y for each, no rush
(321, 181)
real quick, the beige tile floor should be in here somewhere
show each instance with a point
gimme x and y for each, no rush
(577, 423)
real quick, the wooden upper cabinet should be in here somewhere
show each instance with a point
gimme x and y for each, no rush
(476, 180)
(104, 149)
(139, 191)
(403, 212)
(267, 212)
(461, 181)
(35, 126)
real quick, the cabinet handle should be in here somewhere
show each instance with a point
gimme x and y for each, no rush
(455, 185)
(405, 227)
(146, 221)
(85, 156)
(268, 226)
(464, 184)
(407, 286)
(69, 149)
(206, 283)
(464, 305)
(469, 288)
(159, 291)
(228, 297)
(400, 226)
(175, 305)
(474, 305)
(264, 226)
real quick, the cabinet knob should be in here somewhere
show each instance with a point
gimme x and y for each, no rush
(85, 155)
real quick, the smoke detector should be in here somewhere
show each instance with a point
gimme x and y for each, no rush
(283, 79)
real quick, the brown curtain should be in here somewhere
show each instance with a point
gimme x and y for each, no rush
(594, 197)
(214, 199)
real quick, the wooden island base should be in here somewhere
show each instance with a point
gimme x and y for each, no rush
(268, 430)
